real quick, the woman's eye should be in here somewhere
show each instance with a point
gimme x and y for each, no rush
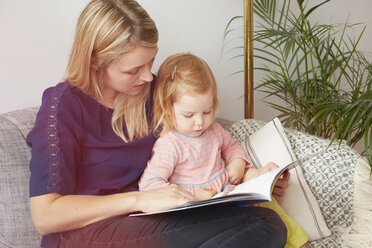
(132, 72)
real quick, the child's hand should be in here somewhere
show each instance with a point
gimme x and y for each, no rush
(203, 194)
(236, 171)
(235, 174)
(253, 172)
(267, 168)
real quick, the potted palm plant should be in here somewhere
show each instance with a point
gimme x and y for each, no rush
(315, 70)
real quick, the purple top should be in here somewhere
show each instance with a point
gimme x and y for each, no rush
(75, 151)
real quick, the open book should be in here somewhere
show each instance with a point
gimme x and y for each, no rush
(256, 190)
(268, 144)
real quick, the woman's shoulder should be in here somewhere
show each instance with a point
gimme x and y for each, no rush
(67, 105)
(66, 97)
(63, 91)
(54, 92)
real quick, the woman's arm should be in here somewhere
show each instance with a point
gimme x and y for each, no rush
(55, 213)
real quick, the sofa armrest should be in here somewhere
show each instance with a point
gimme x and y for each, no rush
(16, 229)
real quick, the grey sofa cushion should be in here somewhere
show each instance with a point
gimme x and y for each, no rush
(16, 228)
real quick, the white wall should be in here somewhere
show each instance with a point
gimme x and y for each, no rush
(197, 26)
(36, 37)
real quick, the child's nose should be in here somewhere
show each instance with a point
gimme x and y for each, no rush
(199, 121)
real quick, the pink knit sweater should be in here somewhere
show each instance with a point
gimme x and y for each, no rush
(192, 162)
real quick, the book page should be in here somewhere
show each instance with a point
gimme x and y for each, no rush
(269, 144)
(261, 185)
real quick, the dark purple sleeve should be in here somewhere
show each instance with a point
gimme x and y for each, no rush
(55, 143)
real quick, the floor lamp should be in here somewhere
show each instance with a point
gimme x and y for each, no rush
(248, 59)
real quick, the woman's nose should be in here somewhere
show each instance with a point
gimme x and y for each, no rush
(146, 74)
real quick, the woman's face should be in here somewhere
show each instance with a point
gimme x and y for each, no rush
(129, 73)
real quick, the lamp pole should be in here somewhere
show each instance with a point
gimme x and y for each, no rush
(248, 59)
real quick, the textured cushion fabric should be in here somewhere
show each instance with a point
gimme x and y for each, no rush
(330, 177)
(271, 144)
(16, 228)
(359, 234)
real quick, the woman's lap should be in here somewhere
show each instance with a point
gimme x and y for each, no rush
(202, 227)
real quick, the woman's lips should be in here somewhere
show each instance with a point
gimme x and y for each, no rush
(140, 85)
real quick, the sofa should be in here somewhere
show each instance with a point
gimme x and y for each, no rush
(335, 176)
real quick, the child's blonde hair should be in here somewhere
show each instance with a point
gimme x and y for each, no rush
(181, 70)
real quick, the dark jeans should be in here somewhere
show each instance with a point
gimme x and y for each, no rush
(204, 227)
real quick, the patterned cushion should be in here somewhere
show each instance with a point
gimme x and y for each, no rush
(331, 180)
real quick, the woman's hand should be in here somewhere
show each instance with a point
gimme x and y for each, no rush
(203, 194)
(281, 186)
(163, 198)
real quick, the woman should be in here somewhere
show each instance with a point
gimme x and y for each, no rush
(92, 139)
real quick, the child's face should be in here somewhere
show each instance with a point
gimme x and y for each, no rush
(193, 113)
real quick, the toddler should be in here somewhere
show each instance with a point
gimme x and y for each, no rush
(193, 150)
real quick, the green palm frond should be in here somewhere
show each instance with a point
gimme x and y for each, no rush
(316, 70)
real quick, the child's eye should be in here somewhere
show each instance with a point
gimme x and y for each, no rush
(208, 112)
(188, 116)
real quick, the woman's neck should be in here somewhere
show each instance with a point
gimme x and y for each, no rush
(107, 102)
(108, 98)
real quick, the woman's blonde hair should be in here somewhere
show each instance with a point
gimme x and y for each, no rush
(105, 30)
(180, 71)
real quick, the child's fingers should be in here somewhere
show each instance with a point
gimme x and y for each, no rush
(232, 180)
(271, 166)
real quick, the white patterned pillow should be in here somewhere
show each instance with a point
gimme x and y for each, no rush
(330, 177)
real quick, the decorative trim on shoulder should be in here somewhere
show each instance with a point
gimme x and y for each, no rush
(54, 176)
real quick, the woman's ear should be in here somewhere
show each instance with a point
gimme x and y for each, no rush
(94, 64)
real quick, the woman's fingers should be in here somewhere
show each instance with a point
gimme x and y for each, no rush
(286, 175)
(203, 194)
(281, 186)
(179, 192)
(163, 198)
